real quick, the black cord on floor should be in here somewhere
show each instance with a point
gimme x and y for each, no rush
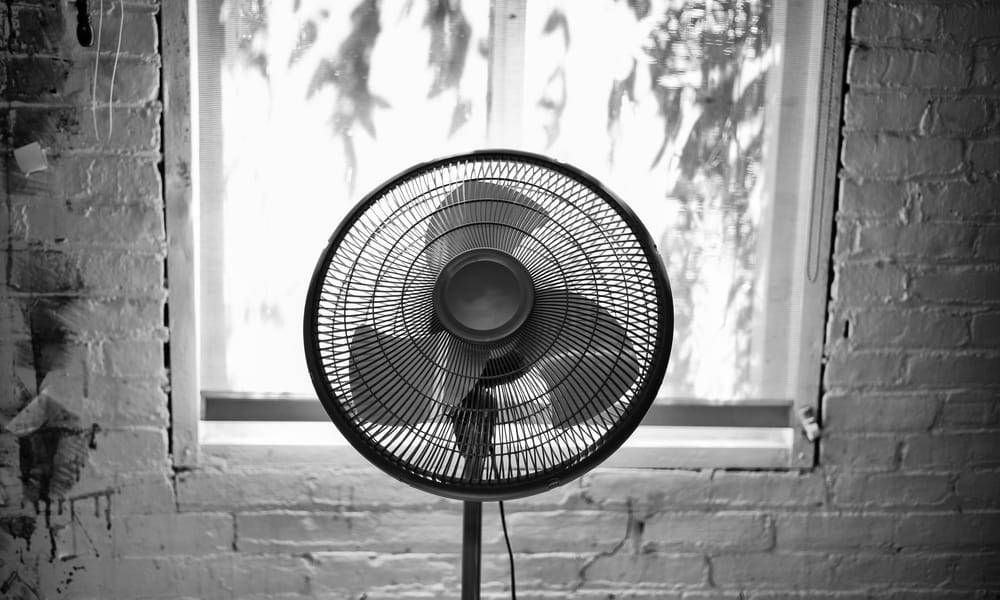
(510, 553)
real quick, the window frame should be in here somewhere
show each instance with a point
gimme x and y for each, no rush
(818, 144)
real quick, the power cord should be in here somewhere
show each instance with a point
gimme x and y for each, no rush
(114, 68)
(97, 64)
(510, 553)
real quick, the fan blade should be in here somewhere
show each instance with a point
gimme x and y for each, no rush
(403, 381)
(591, 363)
(474, 422)
(460, 366)
(461, 207)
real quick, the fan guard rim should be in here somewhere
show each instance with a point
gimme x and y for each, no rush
(608, 444)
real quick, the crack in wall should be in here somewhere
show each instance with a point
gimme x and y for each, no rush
(633, 531)
(236, 532)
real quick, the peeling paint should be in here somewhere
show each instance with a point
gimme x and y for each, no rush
(48, 336)
(51, 462)
(15, 588)
(81, 540)
(53, 445)
(20, 527)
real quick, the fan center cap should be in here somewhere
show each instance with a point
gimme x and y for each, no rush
(483, 295)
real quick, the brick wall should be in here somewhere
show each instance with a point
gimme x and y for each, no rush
(905, 504)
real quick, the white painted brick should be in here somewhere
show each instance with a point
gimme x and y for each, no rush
(970, 410)
(949, 370)
(897, 67)
(288, 531)
(693, 531)
(900, 112)
(979, 489)
(800, 569)
(51, 29)
(966, 285)
(896, 328)
(37, 29)
(743, 488)
(616, 593)
(93, 179)
(137, 225)
(546, 570)
(135, 492)
(239, 576)
(966, 24)
(136, 82)
(567, 496)
(173, 534)
(350, 574)
(868, 284)
(783, 594)
(140, 35)
(904, 22)
(977, 571)
(131, 403)
(368, 488)
(129, 358)
(33, 77)
(646, 490)
(892, 490)
(986, 68)
(966, 531)
(845, 239)
(97, 318)
(960, 200)
(925, 241)
(65, 129)
(863, 368)
(55, 80)
(107, 401)
(952, 451)
(860, 453)
(879, 413)
(985, 156)
(298, 531)
(856, 570)
(888, 156)
(649, 569)
(111, 272)
(210, 577)
(130, 449)
(234, 489)
(971, 116)
(988, 244)
(834, 531)
(577, 531)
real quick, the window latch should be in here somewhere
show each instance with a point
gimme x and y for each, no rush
(807, 420)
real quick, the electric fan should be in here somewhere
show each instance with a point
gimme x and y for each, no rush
(488, 326)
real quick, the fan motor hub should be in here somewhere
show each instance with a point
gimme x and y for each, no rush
(483, 295)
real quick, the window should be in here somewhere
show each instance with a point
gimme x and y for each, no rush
(711, 119)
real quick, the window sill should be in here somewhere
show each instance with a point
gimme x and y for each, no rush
(664, 447)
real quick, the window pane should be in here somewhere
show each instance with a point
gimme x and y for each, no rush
(305, 106)
(667, 102)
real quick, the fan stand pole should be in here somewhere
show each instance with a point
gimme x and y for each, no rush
(472, 534)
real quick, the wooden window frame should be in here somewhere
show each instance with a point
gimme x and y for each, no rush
(823, 92)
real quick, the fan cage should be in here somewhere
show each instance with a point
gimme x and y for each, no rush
(596, 271)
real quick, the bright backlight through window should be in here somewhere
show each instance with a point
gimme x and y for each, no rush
(674, 105)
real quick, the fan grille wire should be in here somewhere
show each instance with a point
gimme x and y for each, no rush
(592, 278)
